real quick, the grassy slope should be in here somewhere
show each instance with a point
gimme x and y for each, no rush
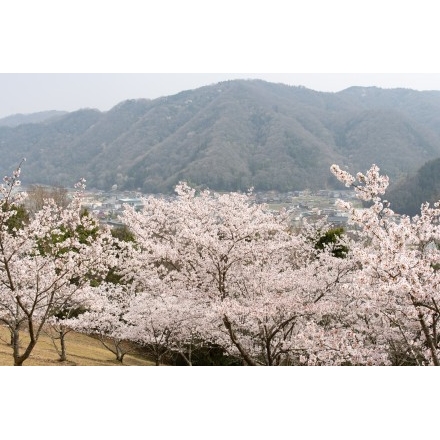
(82, 350)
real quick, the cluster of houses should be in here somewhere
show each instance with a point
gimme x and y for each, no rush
(300, 204)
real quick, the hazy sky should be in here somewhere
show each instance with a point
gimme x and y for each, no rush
(199, 36)
(33, 92)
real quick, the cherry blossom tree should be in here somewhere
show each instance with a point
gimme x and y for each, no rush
(166, 324)
(262, 291)
(59, 324)
(221, 269)
(106, 307)
(399, 280)
(44, 264)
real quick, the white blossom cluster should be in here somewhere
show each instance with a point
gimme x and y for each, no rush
(218, 269)
(208, 269)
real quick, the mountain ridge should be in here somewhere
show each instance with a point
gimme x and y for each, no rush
(30, 118)
(232, 135)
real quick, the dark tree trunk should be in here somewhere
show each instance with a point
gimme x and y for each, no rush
(63, 356)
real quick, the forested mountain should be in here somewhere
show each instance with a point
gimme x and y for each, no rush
(32, 118)
(229, 136)
(407, 195)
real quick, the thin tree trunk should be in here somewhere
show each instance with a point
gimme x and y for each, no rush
(63, 355)
(235, 341)
(15, 336)
(429, 340)
(119, 355)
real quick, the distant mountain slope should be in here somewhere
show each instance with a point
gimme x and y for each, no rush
(32, 118)
(231, 136)
(407, 195)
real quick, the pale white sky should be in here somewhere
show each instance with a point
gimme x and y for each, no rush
(198, 36)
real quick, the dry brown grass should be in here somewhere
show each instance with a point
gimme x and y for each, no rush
(82, 350)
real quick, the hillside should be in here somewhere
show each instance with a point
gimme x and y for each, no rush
(32, 118)
(407, 195)
(82, 350)
(230, 136)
